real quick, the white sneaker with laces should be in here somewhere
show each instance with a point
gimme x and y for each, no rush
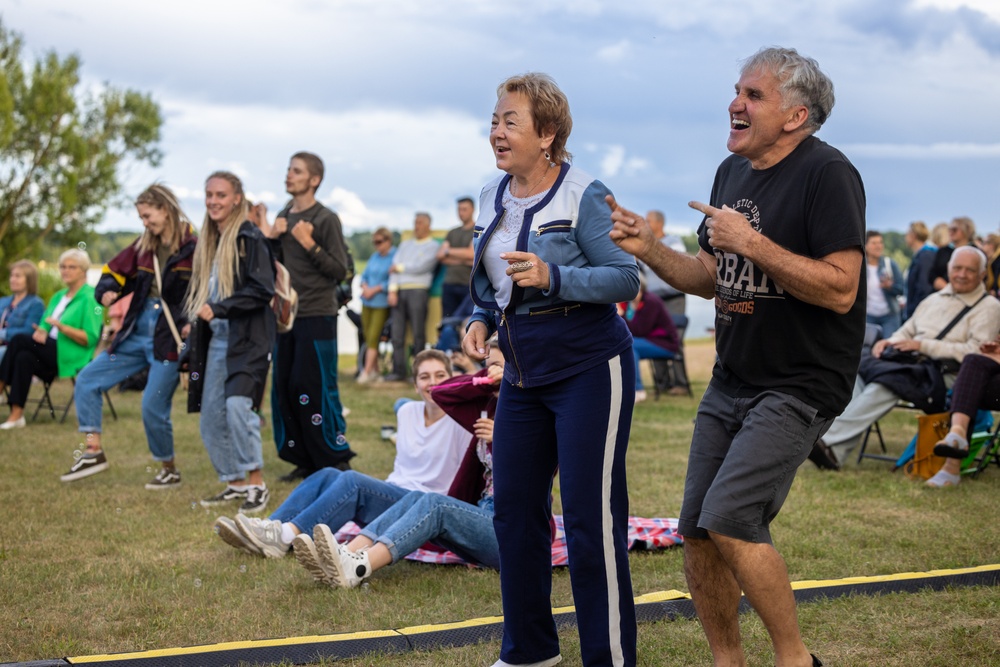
(265, 534)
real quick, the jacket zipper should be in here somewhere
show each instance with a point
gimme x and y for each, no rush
(520, 381)
(541, 231)
(549, 311)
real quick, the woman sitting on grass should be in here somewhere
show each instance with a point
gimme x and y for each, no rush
(461, 522)
(429, 449)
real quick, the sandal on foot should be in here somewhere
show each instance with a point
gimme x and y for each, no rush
(952, 446)
(943, 479)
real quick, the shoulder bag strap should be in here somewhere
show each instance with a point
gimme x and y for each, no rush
(958, 318)
(166, 308)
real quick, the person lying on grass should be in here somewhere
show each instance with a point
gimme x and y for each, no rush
(429, 449)
(464, 526)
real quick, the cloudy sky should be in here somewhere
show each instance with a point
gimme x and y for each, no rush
(396, 96)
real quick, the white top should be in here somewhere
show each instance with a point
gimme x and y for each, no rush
(877, 305)
(427, 457)
(504, 239)
(57, 313)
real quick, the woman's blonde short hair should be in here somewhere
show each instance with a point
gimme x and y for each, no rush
(549, 109)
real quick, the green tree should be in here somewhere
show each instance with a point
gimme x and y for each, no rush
(62, 149)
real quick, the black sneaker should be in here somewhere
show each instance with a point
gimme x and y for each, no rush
(227, 495)
(256, 499)
(85, 466)
(167, 478)
(297, 474)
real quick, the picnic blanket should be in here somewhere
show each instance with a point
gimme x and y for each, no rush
(643, 534)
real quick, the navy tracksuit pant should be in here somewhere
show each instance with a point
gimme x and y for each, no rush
(580, 427)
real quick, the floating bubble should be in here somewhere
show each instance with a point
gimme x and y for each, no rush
(183, 346)
(341, 440)
(215, 529)
(77, 454)
(365, 587)
(81, 245)
(149, 469)
(97, 310)
(194, 376)
(112, 357)
(317, 419)
(118, 510)
(243, 568)
(304, 399)
(291, 443)
(197, 583)
(166, 362)
(90, 437)
(194, 505)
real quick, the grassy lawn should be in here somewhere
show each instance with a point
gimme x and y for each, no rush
(102, 565)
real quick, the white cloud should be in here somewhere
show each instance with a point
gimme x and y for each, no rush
(615, 52)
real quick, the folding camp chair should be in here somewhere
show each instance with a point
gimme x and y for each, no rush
(669, 373)
(46, 401)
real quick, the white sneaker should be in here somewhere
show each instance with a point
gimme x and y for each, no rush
(265, 534)
(305, 552)
(346, 568)
(544, 663)
(640, 395)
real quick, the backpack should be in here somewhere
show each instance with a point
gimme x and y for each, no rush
(344, 290)
(285, 302)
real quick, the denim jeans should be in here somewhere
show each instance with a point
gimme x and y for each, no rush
(333, 497)
(643, 349)
(448, 522)
(131, 356)
(229, 427)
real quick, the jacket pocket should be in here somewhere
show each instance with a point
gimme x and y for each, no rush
(560, 226)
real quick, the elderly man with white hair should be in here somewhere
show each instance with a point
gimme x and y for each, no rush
(980, 324)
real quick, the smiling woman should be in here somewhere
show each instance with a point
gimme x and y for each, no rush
(545, 277)
(231, 339)
(155, 270)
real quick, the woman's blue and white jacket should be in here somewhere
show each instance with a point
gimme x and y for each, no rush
(548, 335)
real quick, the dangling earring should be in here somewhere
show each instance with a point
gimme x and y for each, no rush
(548, 157)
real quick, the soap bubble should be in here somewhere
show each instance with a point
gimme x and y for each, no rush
(243, 568)
(304, 399)
(194, 376)
(77, 454)
(317, 419)
(118, 510)
(197, 583)
(113, 357)
(291, 443)
(149, 469)
(81, 245)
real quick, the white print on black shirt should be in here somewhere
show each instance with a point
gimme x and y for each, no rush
(738, 282)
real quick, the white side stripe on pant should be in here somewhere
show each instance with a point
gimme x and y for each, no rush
(610, 566)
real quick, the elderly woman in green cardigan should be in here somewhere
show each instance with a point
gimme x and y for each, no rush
(63, 342)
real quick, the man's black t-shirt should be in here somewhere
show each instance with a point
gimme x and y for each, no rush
(813, 204)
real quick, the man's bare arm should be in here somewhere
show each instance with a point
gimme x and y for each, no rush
(829, 282)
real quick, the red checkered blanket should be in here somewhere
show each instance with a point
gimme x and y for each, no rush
(643, 533)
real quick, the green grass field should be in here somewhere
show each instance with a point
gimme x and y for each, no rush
(102, 565)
